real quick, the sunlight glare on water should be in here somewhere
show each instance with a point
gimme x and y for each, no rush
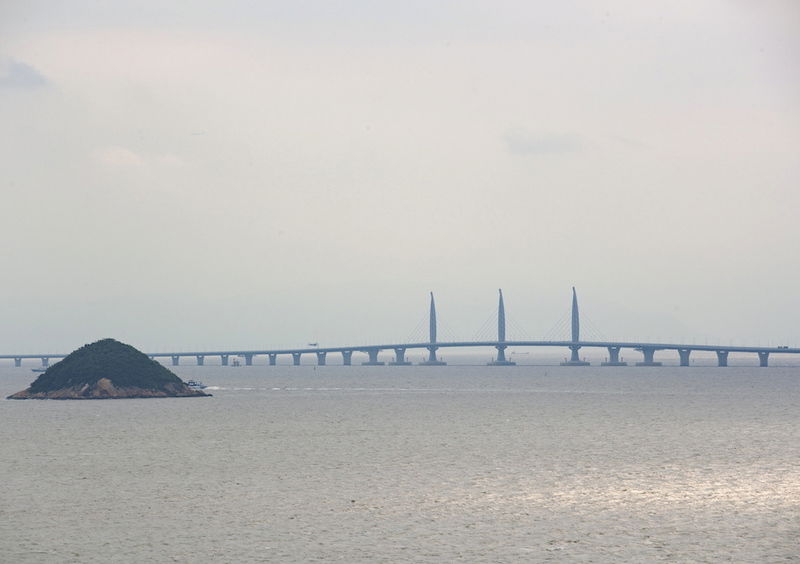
(392, 464)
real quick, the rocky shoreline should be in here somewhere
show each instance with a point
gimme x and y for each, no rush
(105, 389)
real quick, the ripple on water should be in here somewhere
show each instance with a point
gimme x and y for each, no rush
(365, 465)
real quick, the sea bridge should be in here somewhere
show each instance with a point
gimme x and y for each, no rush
(433, 345)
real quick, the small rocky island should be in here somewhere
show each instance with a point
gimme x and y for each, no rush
(107, 369)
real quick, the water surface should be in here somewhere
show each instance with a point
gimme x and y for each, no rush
(423, 464)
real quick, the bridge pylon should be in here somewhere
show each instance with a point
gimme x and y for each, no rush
(501, 336)
(432, 360)
(576, 335)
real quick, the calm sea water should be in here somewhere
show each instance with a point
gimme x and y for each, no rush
(397, 464)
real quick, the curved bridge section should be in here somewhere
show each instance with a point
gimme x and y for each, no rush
(400, 350)
(432, 346)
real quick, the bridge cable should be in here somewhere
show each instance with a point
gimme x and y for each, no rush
(418, 335)
(592, 330)
(514, 331)
(487, 330)
(444, 331)
(560, 331)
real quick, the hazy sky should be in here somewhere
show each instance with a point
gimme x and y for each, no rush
(247, 174)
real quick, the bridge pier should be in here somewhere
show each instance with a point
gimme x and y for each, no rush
(321, 358)
(648, 353)
(17, 362)
(45, 362)
(501, 358)
(248, 360)
(684, 354)
(296, 359)
(432, 360)
(574, 359)
(347, 358)
(373, 358)
(613, 358)
(722, 358)
(176, 360)
(273, 359)
(399, 357)
(763, 359)
(200, 360)
(223, 359)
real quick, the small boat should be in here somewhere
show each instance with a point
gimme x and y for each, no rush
(196, 384)
(38, 369)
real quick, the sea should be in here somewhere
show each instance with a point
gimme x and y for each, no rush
(460, 463)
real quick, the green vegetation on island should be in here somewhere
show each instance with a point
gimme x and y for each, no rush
(107, 369)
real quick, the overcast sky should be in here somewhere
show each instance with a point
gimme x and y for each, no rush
(250, 174)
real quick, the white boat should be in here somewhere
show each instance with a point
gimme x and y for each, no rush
(196, 384)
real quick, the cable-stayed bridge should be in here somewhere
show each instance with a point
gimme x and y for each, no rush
(574, 344)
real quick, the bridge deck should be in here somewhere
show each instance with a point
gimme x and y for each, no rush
(452, 344)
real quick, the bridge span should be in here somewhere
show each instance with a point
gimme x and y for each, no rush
(432, 346)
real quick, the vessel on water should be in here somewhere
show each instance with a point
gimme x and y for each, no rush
(196, 384)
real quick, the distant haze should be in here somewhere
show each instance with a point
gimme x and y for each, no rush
(251, 174)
